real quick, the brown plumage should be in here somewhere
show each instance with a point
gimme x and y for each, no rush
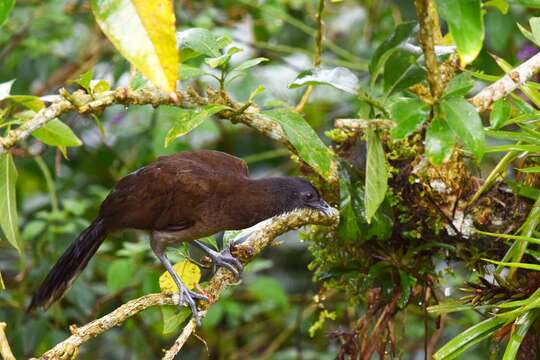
(182, 197)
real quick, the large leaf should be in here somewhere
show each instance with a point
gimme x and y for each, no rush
(465, 122)
(401, 71)
(401, 34)
(188, 119)
(409, 114)
(339, 77)
(5, 8)
(466, 23)
(529, 3)
(144, 33)
(9, 219)
(305, 140)
(376, 175)
(439, 141)
(56, 133)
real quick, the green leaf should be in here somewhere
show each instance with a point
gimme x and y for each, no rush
(120, 274)
(529, 3)
(501, 5)
(401, 34)
(376, 175)
(249, 64)
(468, 338)
(56, 133)
(407, 282)
(466, 23)
(401, 71)
(341, 78)
(9, 220)
(5, 8)
(223, 60)
(256, 92)
(172, 319)
(520, 329)
(459, 86)
(306, 141)
(33, 103)
(464, 121)
(2, 285)
(84, 80)
(188, 72)
(439, 141)
(532, 169)
(535, 29)
(144, 33)
(500, 113)
(187, 119)
(409, 114)
(201, 41)
(5, 88)
(528, 35)
(519, 265)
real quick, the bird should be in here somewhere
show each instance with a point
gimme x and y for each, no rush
(177, 198)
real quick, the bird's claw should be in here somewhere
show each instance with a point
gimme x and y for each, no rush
(227, 260)
(188, 297)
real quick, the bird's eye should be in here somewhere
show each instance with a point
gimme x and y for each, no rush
(308, 196)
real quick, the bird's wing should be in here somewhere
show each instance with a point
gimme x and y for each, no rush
(214, 161)
(164, 194)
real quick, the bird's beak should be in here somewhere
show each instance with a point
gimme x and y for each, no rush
(323, 207)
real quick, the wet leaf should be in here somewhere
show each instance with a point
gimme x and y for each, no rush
(341, 78)
(500, 113)
(200, 41)
(401, 71)
(459, 86)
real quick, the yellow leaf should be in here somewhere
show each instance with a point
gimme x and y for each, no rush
(189, 273)
(144, 33)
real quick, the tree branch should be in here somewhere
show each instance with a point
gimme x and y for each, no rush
(5, 350)
(246, 250)
(429, 21)
(506, 84)
(84, 103)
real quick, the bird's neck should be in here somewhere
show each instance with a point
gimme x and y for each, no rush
(259, 200)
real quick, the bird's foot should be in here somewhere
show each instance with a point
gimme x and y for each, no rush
(226, 260)
(188, 297)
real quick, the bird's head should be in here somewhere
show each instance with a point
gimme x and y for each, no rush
(301, 194)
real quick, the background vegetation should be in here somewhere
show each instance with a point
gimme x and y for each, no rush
(390, 107)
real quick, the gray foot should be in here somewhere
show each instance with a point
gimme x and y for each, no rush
(222, 259)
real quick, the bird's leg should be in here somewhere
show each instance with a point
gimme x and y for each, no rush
(186, 296)
(221, 259)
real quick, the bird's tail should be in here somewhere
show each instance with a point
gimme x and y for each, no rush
(69, 266)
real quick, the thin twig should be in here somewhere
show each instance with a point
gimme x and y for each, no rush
(245, 251)
(5, 349)
(317, 57)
